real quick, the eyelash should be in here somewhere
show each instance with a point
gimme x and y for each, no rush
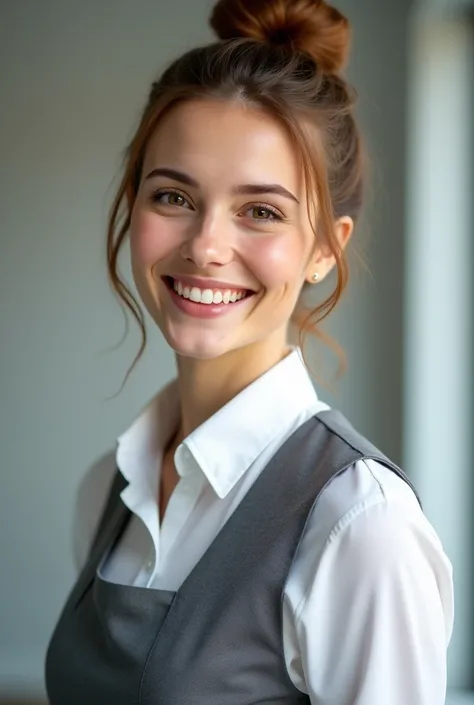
(276, 216)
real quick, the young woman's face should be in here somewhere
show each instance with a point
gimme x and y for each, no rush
(222, 199)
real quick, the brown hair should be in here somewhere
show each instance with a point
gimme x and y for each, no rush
(284, 56)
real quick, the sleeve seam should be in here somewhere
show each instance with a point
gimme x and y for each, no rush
(337, 531)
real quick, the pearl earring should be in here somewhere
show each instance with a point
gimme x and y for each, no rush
(315, 277)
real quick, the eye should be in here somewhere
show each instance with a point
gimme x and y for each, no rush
(174, 198)
(262, 212)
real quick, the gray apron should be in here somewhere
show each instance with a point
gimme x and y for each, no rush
(218, 639)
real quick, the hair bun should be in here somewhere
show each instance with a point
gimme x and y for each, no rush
(310, 26)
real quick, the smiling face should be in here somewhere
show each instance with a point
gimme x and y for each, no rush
(222, 199)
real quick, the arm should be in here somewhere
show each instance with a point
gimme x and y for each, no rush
(376, 621)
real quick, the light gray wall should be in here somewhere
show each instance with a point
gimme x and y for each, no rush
(74, 78)
(438, 414)
(369, 323)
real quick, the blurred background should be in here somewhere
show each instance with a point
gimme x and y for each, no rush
(73, 81)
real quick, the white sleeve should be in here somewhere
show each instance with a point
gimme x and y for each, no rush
(376, 621)
(88, 506)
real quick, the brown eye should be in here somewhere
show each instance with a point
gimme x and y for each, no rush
(166, 197)
(175, 199)
(261, 213)
(264, 213)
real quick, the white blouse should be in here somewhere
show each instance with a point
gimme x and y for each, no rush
(368, 605)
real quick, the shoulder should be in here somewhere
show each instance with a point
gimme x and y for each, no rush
(364, 485)
(89, 503)
(371, 584)
(367, 524)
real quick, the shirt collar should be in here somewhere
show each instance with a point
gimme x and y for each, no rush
(140, 446)
(227, 443)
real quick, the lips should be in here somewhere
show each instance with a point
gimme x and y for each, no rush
(203, 309)
(202, 284)
(220, 296)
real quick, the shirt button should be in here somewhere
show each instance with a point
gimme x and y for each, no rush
(149, 565)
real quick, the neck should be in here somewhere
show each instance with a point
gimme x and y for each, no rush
(205, 386)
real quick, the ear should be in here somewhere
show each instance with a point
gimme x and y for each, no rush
(322, 260)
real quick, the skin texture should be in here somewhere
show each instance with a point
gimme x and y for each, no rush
(209, 229)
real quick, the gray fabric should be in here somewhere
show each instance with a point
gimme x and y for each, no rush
(218, 639)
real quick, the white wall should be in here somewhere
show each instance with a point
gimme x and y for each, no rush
(76, 77)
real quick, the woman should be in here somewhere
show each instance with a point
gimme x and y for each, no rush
(254, 548)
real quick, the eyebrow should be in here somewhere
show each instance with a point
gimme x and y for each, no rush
(242, 189)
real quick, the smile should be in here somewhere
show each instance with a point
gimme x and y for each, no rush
(204, 303)
(208, 296)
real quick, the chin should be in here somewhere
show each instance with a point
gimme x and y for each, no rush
(208, 349)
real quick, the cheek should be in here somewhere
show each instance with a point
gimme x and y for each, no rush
(150, 241)
(277, 261)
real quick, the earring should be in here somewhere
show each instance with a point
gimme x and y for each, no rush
(315, 277)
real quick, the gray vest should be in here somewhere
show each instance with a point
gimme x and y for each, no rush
(218, 639)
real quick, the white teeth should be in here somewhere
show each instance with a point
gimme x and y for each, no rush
(195, 295)
(207, 296)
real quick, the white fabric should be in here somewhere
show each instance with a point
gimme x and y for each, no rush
(368, 608)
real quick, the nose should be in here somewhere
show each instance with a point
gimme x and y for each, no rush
(208, 243)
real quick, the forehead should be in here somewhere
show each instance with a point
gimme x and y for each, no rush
(224, 142)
